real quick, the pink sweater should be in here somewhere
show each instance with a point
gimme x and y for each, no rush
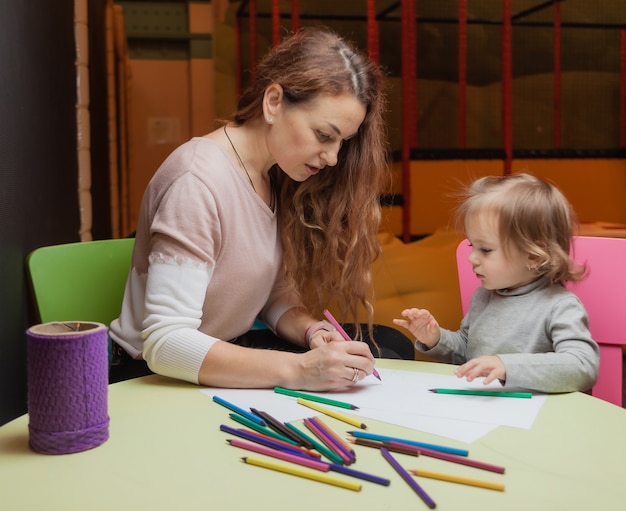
(206, 263)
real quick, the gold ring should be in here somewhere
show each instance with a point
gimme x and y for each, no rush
(355, 376)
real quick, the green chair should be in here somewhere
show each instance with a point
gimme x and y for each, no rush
(81, 281)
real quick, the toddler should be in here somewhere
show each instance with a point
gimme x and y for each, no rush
(523, 327)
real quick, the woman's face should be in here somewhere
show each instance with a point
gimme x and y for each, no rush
(306, 138)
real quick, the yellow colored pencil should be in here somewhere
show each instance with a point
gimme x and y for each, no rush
(307, 474)
(332, 413)
(458, 479)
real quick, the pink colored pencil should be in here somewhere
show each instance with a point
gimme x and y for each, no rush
(281, 455)
(326, 440)
(334, 437)
(461, 460)
(303, 450)
(343, 333)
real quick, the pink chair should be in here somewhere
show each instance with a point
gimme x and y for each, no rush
(603, 293)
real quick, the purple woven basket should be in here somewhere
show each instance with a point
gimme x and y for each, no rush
(67, 386)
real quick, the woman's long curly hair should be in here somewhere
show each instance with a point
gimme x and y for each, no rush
(330, 222)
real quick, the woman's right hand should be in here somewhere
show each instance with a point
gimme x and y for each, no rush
(333, 364)
(329, 366)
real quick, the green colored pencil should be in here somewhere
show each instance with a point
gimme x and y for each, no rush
(260, 429)
(319, 447)
(312, 397)
(477, 392)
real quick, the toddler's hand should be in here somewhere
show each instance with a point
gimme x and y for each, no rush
(491, 367)
(421, 324)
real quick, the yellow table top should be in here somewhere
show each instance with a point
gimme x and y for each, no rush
(166, 452)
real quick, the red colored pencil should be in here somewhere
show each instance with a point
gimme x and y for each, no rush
(461, 460)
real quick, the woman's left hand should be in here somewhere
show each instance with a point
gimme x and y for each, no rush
(322, 337)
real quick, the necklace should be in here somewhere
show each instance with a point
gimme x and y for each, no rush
(272, 198)
(239, 158)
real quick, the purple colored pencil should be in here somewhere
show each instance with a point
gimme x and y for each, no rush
(266, 441)
(327, 441)
(408, 478)
(334, 438)
(357, 473)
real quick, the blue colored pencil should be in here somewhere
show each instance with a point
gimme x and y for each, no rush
(434, 447)
(240, 411)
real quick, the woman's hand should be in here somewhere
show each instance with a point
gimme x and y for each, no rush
(491, 367)
(333, 363)
(322, 337)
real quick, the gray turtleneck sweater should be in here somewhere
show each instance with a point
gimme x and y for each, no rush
(539, 331)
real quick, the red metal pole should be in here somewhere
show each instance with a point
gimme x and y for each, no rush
(462, 74)
(372, 31)
(557, 75)
(507, 130)
(622, 89)
(295, 15)
(408, 108)
(275, 22)
(238, 81)
(252, 9)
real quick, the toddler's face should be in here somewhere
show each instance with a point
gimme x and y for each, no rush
(495, 266)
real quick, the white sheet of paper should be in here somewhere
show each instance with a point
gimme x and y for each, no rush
(403, 398)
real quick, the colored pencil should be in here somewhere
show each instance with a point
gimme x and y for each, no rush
(434, 447)
(461, 460)
(337, 455)
(317, 399)
(340, 441)
(240, 411)
(342, 469)
(279, 427)
(281, 455)
(300, 449)
(478, 392)
(308, 474)
(305, 441)
(318, 446)
(411, 450)
(343, 333)
(408, 478)
(328, 441)
(260, 429)
(332, 413)
(458, 479)
(266, 441)
(336, 467)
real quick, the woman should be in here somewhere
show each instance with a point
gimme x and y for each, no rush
(269, 216)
